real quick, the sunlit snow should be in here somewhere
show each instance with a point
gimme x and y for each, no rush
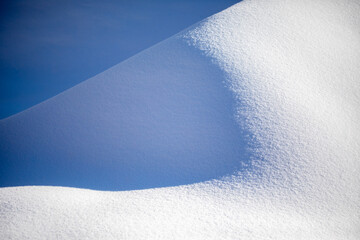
(248, 120)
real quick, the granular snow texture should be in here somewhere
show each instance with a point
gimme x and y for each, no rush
(255, 109)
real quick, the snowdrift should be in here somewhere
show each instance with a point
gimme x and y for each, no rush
(256, 108)
(161, 118)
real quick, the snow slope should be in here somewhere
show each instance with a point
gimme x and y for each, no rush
(257, 107)
(163, 117)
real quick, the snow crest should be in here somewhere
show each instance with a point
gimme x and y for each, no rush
(256, 108)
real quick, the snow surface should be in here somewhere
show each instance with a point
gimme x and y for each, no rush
(256, 108)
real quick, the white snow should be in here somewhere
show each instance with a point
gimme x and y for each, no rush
(256, 108)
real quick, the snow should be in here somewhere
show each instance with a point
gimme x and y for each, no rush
(255, 109)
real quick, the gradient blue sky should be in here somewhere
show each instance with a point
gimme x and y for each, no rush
(47, 46)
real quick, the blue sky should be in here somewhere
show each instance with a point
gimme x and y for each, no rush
(47, 46)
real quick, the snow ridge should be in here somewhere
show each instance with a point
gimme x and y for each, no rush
(276, 157)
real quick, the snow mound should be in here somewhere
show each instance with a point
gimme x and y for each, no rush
(258, 104)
